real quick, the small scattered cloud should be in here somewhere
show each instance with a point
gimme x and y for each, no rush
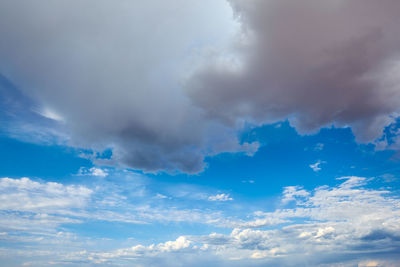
(388, 177)
(161, 196)
(50, 114)
(94, 171)
(319, 147)
(316, 167)
(220, 197)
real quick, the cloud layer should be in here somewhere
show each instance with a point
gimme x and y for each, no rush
(342, 225)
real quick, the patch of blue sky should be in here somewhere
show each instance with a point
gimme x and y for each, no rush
(48, 162)
(145, 234)
(285, 159)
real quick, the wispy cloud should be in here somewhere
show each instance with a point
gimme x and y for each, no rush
(343, 224)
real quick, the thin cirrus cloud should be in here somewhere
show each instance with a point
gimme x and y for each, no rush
(344, 225)
(46, 205)
(164, 87)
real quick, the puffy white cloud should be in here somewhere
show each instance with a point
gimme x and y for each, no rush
(180, 243)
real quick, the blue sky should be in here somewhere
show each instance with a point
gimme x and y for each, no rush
(179, 133)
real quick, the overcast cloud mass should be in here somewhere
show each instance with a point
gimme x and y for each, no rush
(164, 87)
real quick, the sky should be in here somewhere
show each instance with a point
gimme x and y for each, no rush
(200, 133)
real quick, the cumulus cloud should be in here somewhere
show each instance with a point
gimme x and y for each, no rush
(317, 63)
(167, 83)
(112, 73)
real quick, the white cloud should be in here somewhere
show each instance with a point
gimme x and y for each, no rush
(50, 114)
(294, 192)
(161, 196)
(180, 243)
(32, 205)
(345, 225)
(316, 167)
(220, 197)
(94, 171)
(27, 195)
(98, 172)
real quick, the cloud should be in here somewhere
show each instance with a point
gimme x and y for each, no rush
(319, 147)
(112, 72)
(27, 195)
(166, 84)
(348, 224)
(35, 208)
(220, 197)
(94, 171)
(315, 62)
(343, 225)
(32, 205)
(316, 167)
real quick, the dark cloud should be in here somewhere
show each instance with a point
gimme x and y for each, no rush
(315, 62)
(380, 235)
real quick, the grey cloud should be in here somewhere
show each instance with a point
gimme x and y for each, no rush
(379, 235)
(112, 70)
(115, 71)
(315, 62)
